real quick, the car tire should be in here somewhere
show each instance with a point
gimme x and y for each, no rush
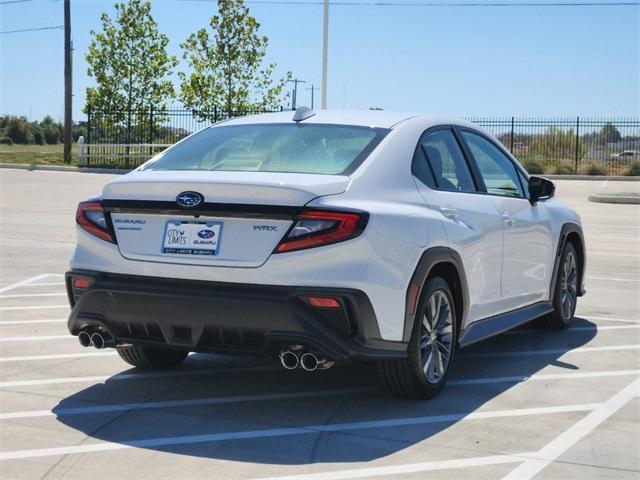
(421, 374)
(565, 294)
(151, 358)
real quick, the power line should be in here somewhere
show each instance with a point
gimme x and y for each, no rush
(33, 29)
(373, 3)
(8, 2)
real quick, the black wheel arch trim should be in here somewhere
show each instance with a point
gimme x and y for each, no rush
(569, 229)
(428, 261)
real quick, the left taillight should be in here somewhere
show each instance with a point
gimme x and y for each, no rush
(91, 217)
(315, 228)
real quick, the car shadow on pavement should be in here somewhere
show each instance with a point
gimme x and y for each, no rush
(255, 411)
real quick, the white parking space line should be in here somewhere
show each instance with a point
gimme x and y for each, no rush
(246, 398)
(614, 279)
(23, 282)
(44, 284)
(541, 377)
(35, 307)
(124, 407)
(132, 376)
(29, 358)
(29, 295)
(553, 450)
(612, 254)
(28, 322)
(290, 431)
(37, 338)
(394, 470)
(608, 319)
(589, 328)
(554, 351)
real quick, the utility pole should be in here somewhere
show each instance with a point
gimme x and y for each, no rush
(295, 82)
(67, 82)
(325, 53)
(313, 89)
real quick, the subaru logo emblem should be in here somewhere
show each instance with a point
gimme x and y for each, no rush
(189, 199)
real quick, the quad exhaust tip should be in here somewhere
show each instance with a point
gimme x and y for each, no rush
(289, 360)
(98, 341)
(309, 362)
(84, 338)
(294, 356)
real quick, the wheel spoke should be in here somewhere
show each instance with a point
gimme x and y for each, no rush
(439, 367)
(443, 348)
(426, 324)
(427, 363)
(444, 317)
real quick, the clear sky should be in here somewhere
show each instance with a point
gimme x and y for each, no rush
(460, 61)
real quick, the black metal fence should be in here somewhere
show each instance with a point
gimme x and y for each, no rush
(544, 145)
(591, 146)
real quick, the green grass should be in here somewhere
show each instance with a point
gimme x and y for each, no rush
(36, 154)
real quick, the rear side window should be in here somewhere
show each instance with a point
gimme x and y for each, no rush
(292, 148)
(497, 170)
(448, 168)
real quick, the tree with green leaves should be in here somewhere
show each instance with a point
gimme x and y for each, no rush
(227, 66)
(129, 61)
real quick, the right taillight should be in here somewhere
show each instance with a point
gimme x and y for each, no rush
(91, 217)
(314, 228)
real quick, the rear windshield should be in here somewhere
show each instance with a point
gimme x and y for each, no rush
(292, 148)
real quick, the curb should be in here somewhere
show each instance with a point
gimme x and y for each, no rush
(615, 178)
(61, 168)
(620, 199)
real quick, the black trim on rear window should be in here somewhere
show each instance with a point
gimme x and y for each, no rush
(273, 147)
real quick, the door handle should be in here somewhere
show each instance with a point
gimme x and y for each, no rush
(450, 213)
(508, 219)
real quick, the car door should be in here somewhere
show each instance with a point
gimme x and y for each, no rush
(527, 260)
(471, 221)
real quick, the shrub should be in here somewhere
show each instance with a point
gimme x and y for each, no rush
(592, 169)
(563, 168)
(38, 135)
(6, 141)
(19, 130)
(633, 170)
(532, 166)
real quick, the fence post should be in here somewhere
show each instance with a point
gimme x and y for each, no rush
(577, 143)
(215, 114)
(89, 127)
(151, 131)
(82, 155)
(512, 128)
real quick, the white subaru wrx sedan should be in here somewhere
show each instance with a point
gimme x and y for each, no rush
(324, 237)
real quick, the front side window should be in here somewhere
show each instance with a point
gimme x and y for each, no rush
(447, 164)
(497, 170)
(291, 148)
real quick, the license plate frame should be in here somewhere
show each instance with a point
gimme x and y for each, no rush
(188, 238)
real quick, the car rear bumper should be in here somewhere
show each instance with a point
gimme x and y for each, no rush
(227, 318)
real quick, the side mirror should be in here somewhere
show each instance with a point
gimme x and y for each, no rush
(540, 188)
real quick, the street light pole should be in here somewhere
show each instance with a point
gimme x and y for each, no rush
(67, 82)
(325, 53)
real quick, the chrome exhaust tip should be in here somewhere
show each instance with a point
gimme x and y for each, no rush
(289, 360)
(98, 341)
(309, 362)
(84, 338)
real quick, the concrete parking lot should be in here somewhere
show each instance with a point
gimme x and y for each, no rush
(527, 404)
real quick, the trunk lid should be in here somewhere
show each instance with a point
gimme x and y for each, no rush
(243, 216)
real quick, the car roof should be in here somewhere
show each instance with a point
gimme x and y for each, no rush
(365, 118)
